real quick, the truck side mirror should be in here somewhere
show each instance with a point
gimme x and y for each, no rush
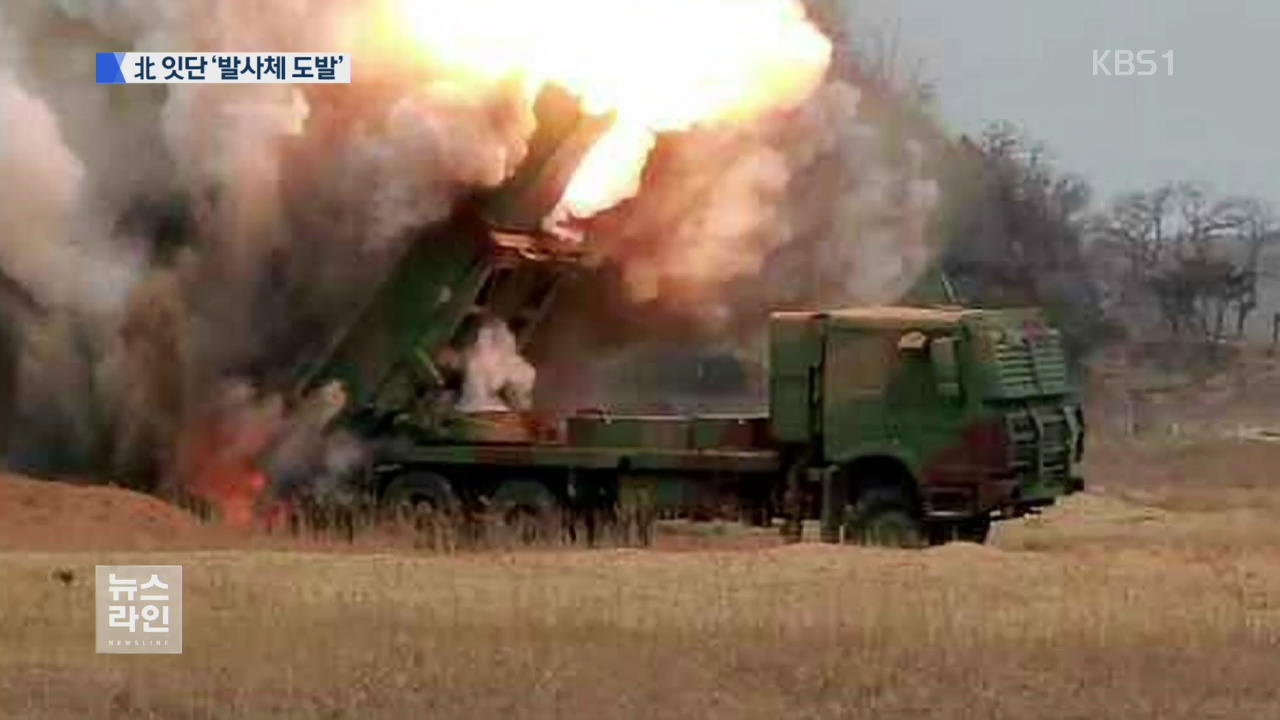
(942, 353)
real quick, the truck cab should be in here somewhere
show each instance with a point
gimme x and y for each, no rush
(949, 416)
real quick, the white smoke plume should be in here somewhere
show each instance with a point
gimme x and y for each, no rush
(817, 202)
(495, 376)
(53, 243)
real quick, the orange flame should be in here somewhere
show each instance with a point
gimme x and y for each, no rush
(229, 483)
(656, 65)
(216, 462)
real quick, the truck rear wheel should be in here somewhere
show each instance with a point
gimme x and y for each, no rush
(529, 510)
(883, 516)
(636, 512)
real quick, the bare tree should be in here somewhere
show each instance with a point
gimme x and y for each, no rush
(1137, 228)
(1013, 229)
(1195, 256)
(1256, 228)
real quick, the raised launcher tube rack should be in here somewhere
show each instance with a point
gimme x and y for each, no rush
(491, 258)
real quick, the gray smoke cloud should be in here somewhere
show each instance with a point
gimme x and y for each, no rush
(185, 235)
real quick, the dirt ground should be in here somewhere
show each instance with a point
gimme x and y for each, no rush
(41, 516)
(51, 516)
(1154, 595)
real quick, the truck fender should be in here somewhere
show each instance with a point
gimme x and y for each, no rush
(889, 467)
(888, 453)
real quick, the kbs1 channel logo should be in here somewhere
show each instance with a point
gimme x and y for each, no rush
(149, 68)
(138, 609)
(1119, 62)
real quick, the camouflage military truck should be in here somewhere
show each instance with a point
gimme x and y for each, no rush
(899, 425)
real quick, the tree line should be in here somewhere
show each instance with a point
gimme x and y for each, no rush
(1175, 262)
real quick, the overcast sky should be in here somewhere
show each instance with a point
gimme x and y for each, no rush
(1217, 119)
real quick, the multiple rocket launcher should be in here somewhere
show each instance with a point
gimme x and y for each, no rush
(494, 259)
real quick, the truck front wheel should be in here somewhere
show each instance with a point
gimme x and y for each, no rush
(883, 516)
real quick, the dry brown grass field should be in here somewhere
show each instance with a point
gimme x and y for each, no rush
(1157, 595)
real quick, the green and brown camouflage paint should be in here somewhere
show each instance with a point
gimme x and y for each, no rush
(973, 405)
(969, 413)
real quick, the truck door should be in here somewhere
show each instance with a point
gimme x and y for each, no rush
(857, 372)
(924, 400)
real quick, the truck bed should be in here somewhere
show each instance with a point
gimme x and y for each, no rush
(559, 455)
(596, 440)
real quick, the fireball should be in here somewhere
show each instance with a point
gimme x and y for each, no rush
(655, 66)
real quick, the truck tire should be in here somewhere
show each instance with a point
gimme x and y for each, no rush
(975, 531)
(637, 511)
(529, 509)
(421, 497)
(883, 516)
(758, 515)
